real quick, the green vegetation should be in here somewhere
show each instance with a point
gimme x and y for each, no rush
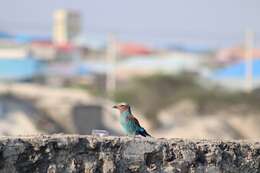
(152, 94)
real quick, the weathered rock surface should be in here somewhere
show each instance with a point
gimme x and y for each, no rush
(74, 153)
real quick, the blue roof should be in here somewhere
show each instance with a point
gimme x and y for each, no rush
(5, 35)
(238, 70)
(22, 38)
(19, 69)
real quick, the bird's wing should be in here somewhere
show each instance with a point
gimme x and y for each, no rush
(134, 120)
(136, 125)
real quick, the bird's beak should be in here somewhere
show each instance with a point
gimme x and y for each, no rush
(115, 107)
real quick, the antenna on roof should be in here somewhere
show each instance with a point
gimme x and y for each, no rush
(249, 41)
(111, 66)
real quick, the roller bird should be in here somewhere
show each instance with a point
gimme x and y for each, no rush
(130, 124)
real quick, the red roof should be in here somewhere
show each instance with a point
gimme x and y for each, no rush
(42, 43)
(128, 49)
(66, 47)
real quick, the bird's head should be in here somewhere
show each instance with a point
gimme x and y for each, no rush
(122, 107)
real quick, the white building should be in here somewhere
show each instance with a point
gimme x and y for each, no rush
(66, 26)
(168, 63)
(10, 50)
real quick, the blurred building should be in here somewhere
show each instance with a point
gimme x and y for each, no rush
(66, 27)
(16, 69)
(234, 76)
(233, 54)
(133, 49)
(168, 63)
(46, 50)
(12, 50)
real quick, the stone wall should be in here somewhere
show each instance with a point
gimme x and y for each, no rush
(74, 153)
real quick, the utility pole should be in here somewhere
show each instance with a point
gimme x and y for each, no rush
(111, 66)
(249, 41)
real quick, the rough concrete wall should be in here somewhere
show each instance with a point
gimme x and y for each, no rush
(73, 153)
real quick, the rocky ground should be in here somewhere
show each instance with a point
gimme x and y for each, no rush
(74, 153)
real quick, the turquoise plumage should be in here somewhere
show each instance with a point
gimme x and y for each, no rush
(130, 124)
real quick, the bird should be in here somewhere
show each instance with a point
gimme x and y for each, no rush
(130, 124)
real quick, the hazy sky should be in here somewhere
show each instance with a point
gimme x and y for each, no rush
(220, 20)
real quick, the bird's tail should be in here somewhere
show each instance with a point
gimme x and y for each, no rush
(144, 133)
